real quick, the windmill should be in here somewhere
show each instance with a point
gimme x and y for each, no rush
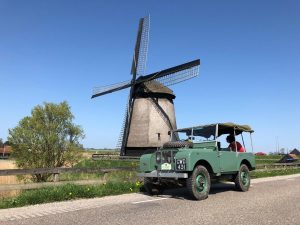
(150, 113)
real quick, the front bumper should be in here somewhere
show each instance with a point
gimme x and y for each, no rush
(161, 174)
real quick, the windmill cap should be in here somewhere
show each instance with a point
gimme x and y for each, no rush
(155, 87)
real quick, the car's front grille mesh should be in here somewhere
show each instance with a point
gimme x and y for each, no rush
(165, 157)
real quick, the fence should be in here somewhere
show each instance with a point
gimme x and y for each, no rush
(56, 172)
(101, 156)
(276, 166)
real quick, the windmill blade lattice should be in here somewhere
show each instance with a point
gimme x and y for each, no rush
(122, 131)
(173, 75)
(98, 91)
(179, 77)
(141, 47)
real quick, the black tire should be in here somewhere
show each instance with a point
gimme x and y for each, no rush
(148, 185)
(242, 179)
(198, 184)
(178, 144)
(152, 189)
(158, 190)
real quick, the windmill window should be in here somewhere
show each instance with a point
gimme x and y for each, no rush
(158, 136)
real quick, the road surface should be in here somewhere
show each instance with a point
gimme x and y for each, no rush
(269, 201)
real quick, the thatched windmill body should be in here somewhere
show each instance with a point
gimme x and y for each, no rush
(150, 113)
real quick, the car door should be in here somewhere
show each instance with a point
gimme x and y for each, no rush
(228, 161)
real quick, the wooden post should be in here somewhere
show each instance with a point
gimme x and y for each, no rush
(56, 177)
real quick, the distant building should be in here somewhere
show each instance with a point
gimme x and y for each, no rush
(260, 153)
(5, 152)
(295, 152)
(289, 158)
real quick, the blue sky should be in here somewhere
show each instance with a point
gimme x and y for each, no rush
(51, 51)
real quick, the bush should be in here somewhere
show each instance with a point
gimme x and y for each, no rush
(47, 138)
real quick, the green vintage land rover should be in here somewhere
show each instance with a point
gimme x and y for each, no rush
(202, 154)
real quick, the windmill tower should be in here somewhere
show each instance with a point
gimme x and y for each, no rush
(150, 113)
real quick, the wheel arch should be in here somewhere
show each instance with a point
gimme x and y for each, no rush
(206, 164)
(247, 163)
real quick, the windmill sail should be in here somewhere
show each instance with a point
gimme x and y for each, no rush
(166, 77)
(138, 67)
(141, 47)
(122, 131)
(173, 75)
(98, 91)
(179, 76)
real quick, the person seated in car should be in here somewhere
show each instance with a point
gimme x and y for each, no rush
(233, 145)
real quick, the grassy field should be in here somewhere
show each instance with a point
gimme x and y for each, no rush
(8, 164)
(114, 183)
(109, 177)
(68, 192)
(267, 159)
(260, 174)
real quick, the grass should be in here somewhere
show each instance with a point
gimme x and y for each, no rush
(270, 173)
(267, 159)
(116, 183)
(106, 163)
(68, 192)
(113, 176)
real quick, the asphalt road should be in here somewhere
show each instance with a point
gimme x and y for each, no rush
(269, 201)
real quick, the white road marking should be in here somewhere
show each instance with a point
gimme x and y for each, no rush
(149, 200)
(26, 216)
(18, 216)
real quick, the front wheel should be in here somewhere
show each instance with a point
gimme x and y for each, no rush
(151, 188)
(148, 185)
(242, 179)
(198, 184)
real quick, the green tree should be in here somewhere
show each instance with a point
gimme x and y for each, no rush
(1, 143)
(46, 139)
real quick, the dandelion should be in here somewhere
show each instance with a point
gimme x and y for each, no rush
(138, 184)
(70, 193)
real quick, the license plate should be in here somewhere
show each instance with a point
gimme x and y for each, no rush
(166, 166)
(180, 164)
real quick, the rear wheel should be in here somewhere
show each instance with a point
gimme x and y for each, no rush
(242, 179)
(198, 184)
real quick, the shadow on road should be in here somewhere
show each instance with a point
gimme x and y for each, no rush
(182, 193)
